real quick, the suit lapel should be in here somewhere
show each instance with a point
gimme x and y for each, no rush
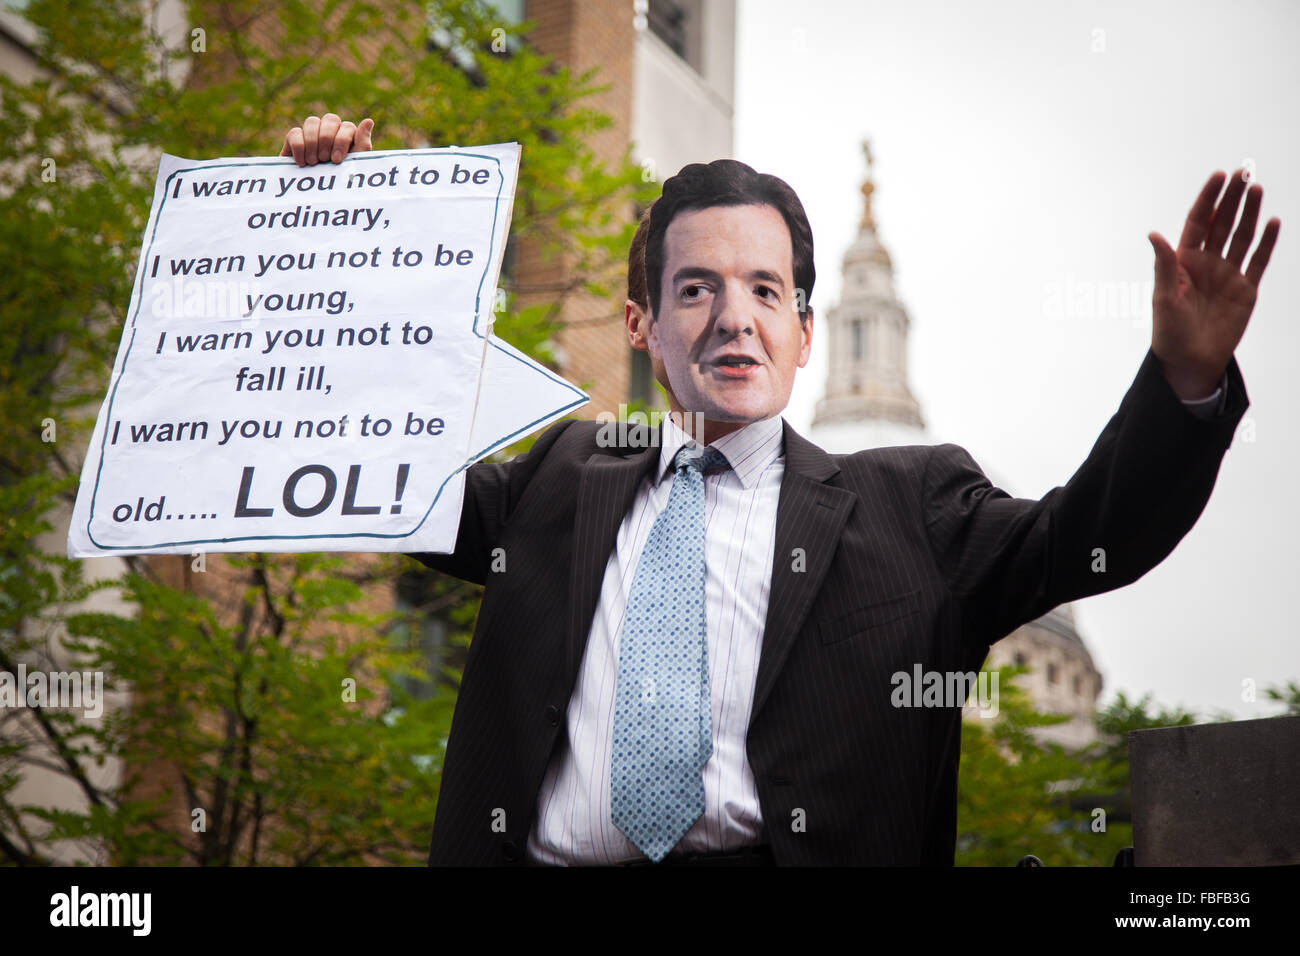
(605, 492)
(809, 519)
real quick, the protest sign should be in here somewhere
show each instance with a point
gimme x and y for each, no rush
(307, 362)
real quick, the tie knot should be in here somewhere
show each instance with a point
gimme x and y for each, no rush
(701, 458)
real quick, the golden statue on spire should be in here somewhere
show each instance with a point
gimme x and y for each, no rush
(868, 187)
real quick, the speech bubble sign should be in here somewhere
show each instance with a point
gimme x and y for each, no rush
(307, 362)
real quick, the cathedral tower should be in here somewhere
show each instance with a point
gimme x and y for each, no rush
(868, 335)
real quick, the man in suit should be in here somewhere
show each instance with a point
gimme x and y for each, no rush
(823, 576)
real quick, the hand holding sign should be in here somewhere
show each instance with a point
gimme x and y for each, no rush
(326, 138)
(308, 362)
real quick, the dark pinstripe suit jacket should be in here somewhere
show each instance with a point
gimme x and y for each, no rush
(910, 556)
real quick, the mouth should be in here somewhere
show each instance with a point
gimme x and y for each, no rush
(735, 366)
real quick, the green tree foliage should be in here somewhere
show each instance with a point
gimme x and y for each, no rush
(1019, 794)
(1288, 697)
(242, 742)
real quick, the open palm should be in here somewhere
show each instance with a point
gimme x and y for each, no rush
(1202, 300)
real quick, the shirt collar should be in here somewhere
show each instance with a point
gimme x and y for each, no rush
(749, 450)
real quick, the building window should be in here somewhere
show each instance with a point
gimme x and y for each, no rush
(511, 11)
(857, 340)
(679, 24)
(1051, 673)
(1078, 684)
(1020, 659)
(667, 21)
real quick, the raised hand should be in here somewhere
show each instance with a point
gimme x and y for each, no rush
(1202, 299)
(327, 138)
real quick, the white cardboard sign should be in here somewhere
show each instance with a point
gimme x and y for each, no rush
(307, 362)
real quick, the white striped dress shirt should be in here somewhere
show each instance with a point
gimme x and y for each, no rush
(572, 824)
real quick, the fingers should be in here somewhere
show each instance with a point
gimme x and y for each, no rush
(329, 128)
(311, 139)
(1245, 233)
(351, 138)
(1197, 226)
(325, 139)
(1166, 264)
(1226, 214)
(293, 145)
(1260, 259)
(343, 141)
(1211, 227)
(362, 142)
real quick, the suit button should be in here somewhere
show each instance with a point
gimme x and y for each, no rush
(553, 715)
(511, 849)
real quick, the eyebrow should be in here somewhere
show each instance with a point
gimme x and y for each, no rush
(699, 272)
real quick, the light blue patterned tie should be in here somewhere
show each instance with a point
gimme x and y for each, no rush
(663, 724)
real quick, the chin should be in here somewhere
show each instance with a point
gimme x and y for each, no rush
(733, 405)
(752, 407)
(732, 412)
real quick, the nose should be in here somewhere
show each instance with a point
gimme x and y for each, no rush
(730, 317)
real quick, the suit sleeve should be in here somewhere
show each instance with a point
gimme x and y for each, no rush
(1148, 477)
(491, 492)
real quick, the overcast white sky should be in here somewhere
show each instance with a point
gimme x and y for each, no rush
(1012, 160)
